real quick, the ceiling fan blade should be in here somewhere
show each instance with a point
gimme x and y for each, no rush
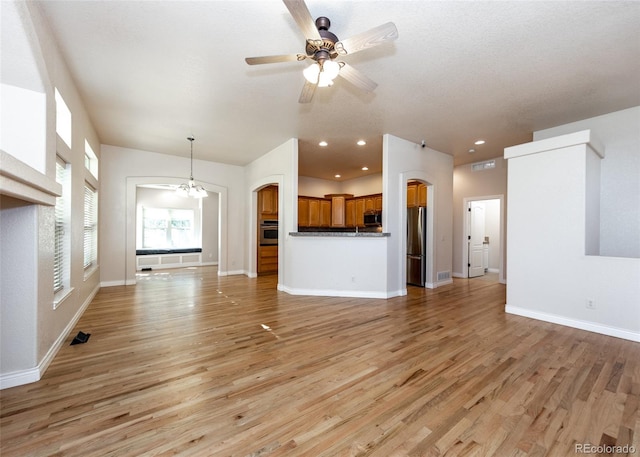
(275, 59)
(307, 92)
(357, 78)
(379, 35)
(302, 16)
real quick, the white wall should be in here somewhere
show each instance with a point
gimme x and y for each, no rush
(122, 169)
(279, 167)
(366, 185)
(32, 227)
(402, 162)
(620, 178)
(551, 275)
(314, 187)
(475, 185)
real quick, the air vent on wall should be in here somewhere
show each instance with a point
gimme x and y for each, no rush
(443, 275)
(486, 165)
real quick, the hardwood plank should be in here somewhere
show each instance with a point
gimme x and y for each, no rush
(186, 362)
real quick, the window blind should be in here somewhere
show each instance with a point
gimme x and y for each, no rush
(90, 227)
(60, 216)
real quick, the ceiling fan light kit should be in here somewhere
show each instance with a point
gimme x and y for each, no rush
(323, 47)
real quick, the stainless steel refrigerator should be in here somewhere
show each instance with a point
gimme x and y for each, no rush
(416, 245)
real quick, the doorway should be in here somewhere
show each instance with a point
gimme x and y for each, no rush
(419, 230)
(483, 238)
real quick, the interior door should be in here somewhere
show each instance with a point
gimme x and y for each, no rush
(476, 238)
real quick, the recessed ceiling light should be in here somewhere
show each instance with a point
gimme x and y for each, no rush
(337, 176)
(323, 144)
(471, 151)
(365, 168)
(361, 143)
(479, 142)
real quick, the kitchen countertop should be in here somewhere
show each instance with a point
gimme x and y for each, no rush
(342, 234)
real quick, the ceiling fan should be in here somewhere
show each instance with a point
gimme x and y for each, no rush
(323, 47)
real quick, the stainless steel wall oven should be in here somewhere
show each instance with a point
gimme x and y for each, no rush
(269, 232)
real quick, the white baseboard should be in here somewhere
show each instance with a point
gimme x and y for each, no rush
(18, 378)
(340, 293)
(575, 323)
(112, 283)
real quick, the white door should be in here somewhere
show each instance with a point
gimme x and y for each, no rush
(476, 239)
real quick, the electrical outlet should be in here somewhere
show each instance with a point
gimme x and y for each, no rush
(590, 303)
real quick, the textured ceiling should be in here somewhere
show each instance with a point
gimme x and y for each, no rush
(153, 72)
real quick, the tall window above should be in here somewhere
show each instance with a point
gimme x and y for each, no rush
(63, 119)
(62, 246)
(90, 159)
(164, 228)
(90, 227)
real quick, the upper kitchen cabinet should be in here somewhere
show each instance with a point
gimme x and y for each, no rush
(268, 201)
(416, 194)
(314, 212)
(338, 209)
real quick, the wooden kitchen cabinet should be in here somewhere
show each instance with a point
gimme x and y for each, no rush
(378, 202)
(267, 259)
(314, 212)
(360, 212)
(350, 212)
(412, 195)
(338, 209)
(369, 203)
(325, 213)
(422, 195)
(303, 212)
(416, 194)
(268, 201)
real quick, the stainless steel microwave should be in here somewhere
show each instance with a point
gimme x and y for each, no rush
(373, 219)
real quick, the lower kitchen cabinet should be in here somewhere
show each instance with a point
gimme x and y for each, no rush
(267, 259)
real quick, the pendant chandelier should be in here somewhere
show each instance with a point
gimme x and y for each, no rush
(191, 189)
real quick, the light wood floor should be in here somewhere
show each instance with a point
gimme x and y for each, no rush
(189, 363)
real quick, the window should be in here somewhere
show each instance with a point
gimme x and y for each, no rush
(90, 226)
(486, 165)
(62, 235)
(164, 228)
(63, 119)
(90, 159)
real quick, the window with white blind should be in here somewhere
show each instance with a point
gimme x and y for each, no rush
(166, 228)
(90, 227)
(61, 265)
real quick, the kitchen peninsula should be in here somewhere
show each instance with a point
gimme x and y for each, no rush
(338, 251)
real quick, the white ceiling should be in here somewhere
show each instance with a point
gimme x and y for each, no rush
(154, 72)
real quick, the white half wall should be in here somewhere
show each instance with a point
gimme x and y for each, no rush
(620, 176)
(551, 186)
